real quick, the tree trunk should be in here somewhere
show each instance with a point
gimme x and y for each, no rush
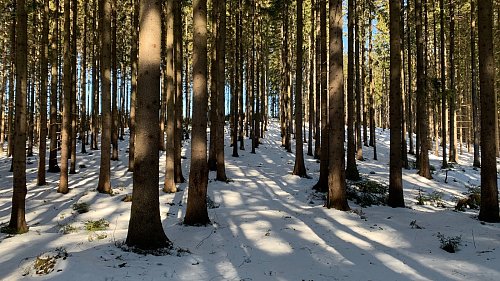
(17, 222)
(299, 168)
(44, 69)
(312, 81)
(66, 119)
(444, 122)
(422, 97)
(83, 109)
(474, 96)
(489, 210)
(452, 94)
(169, 185)
(104, 185)
(196, 211)
(396, 198)
(53, 167)
(322, 184)
(357, 39)
(236, 70)
(114, 85)
(337, 197)
(318, 127)
(145, 229)
(133, 85)
(74, 8)
(178, 177)
(221, 81)
(351, 169)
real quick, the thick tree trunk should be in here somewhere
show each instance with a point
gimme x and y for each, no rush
(196, 211)
(489, 190)
(145, 229)
(336, 197)
(396, 198)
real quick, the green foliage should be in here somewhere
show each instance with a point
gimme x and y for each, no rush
(68, 228)
(81, 208)
(420, 197)
(448, 243)
(367, 193)
(435, 198)
(101, 224)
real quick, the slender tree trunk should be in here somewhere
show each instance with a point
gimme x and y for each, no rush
(74, 7)
(53, 167)
(83, 125)
(299, 168)
(66, 120)
(133, 85)
(237, 71)
(17, 222)
(357, 39)
(221, 81)
(336, 197)
(312, 81)
(104, 185)
(351, 169)
(444, 122)
(145, 229)
(114, 85)
(169, 185)
(178, 177)
(212, 161)
(396, 198)
(318, 127)
(409, 109)
(474, 97)
(452, 95)
(44, 69)
(489, 210)
(422, 97)
(322, 184)
(196, 211)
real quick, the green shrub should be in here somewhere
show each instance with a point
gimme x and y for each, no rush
(449, 244)
(81, 208)
(101, 224)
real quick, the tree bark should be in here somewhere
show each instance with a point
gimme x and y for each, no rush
(17, 223)
(337, 197)
(396, 198)
(299, 168)
(489, 210)
(104, 185)
(133, 85)
(196, 211)
(145, 229)
(44, 69)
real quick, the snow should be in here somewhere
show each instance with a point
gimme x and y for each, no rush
(266, 225)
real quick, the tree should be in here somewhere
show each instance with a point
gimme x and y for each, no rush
(489, 210)
(351, 169)
(178, 53)
(299, 168)
(452, 95)
(474, 96)
(53, 167)
(169, 185)
(66, 117)
(422, 97)
(396, 198)
(104, 185)
(196, 211)
(221, 82)
(145, 230)
(133, 84)
(322, 184)
(17, 223)
(337, 197)
(42, 149)
(443, 84)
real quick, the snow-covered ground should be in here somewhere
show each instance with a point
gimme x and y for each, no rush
(266, 225)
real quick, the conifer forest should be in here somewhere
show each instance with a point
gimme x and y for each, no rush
(249, 139)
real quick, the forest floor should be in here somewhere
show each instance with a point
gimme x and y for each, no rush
(266, 225)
